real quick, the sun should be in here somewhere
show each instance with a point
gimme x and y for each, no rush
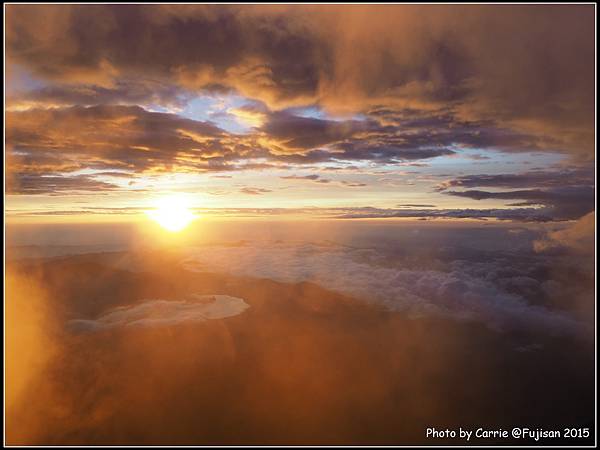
(172, 213)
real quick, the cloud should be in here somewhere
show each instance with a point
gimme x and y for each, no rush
(299, 342)
(410, 128)
(521, 214)
(313, 86)
(561, 203)
(314, 177)
(131, 139)
(157, 313)
(523, 68)
(112, 137)
(567, 194)
(232, 50)
(517, 214)
(33, 184)
(459, 292)
(353, 184)
(538, 179)
(317, 179)
(297, 132)
(31, 347)
(578, 237)
(124, 92)
(254, 190)
(386, 152)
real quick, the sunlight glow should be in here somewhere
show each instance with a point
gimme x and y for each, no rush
(172, 213)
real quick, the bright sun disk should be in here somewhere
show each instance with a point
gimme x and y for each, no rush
(172, 213)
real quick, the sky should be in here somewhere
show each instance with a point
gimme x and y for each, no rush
(346, 112)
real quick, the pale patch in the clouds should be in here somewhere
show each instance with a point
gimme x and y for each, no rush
(153, 313)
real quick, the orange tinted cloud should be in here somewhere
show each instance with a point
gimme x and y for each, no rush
(526, 66)
(369, 85)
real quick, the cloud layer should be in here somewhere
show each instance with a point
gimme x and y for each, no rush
(564, 194)
(460, 292)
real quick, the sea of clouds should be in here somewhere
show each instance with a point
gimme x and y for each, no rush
(493, 292)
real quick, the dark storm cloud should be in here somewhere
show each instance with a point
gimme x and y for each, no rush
(526, 68)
